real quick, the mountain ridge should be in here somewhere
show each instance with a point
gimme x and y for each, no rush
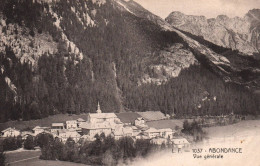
(235, 33)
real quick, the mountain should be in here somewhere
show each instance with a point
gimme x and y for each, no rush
(60, 56)
(237, 33)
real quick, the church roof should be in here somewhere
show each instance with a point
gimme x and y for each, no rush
(102, 115)
(93, 126)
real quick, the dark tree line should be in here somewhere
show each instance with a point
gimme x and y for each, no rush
(103, 151)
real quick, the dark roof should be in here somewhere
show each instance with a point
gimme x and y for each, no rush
(128, 117)
(152, 115)
(162, 124)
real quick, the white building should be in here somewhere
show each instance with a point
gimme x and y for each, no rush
(166, 133)
(80, 121)
(91, 129)
(180, 143)
(140, 122)
(71, 124)
(10, 132)
(100, 117)
(25, 134)
(55, 127)
(152, 133)
(37, 130)
(65, 134)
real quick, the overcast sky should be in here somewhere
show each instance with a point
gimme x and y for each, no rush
(208, 8)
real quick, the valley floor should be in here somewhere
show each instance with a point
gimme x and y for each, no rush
(244, 135)
(31, 158)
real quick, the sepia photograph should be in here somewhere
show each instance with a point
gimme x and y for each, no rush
(129, 82)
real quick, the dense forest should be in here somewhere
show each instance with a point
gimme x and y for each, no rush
(118, 51)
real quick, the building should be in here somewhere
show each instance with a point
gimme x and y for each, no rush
(10, 132)
(152, 133)
(80, 121)
(37, 130)
(180, 143)
(65, 134)
(140, 122)
(71, 124)
(128, 131)
(100, 117)
(159, 141)
(25, 134)
(166, 133)
(91, 129)
(55, 127)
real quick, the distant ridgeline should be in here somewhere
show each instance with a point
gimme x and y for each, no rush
(64, 56)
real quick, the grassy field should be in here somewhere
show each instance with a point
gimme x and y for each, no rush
(243, 128)
(38, 162)
(41, 122)
(31, 158)
(166, 124)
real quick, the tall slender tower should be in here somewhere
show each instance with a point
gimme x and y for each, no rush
(98, 108)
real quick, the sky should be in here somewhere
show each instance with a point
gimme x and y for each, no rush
(208, 8)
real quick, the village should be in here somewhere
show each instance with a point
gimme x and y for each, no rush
(128, 124)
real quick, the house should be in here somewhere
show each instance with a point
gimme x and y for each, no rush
(80, 121)
(25, 134)
(37, 130)
(71, 124)
(175, 125)
(180, 143)
(159, 141)
(140, 135)
(10, 132)
(140, 121)
(128, 118)
(152, 133)
(128, 131)
(118, 132)
(65, 134)
(55, 127)
(166, 133)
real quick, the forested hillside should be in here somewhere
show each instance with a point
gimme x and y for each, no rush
(102, 54)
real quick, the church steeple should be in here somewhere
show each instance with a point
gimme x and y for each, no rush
(98, 108)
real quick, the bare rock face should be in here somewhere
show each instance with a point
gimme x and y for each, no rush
(237, 33)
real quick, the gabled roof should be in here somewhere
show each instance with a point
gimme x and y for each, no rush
(152, 115)
(74, 121)
(128, 117)
(102, 115)
(152, 130)
(10, 128)
(69, 134)
(162, 124)
(81, 120)
(57, 124)
(38, 127)
(93, 126)
(166, 130)
(178, 141)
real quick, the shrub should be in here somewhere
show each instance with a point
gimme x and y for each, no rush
(29, 143)
(2, 159)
